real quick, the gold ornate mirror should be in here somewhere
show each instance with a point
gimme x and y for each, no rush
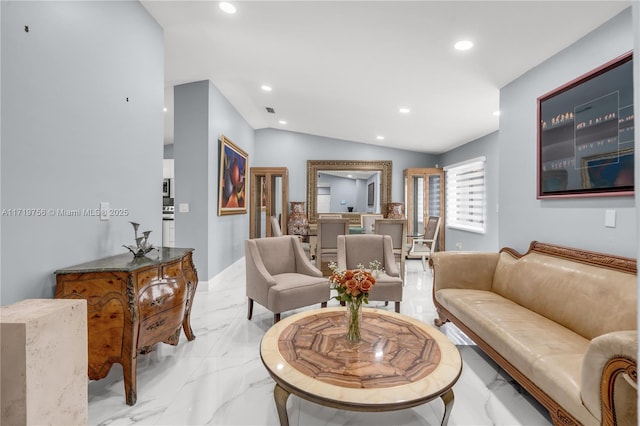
(348, 187)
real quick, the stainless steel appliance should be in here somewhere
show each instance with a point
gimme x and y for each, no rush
(166, 187)
(168, 212)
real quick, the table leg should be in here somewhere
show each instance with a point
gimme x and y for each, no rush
(281, 396)
(447, 398)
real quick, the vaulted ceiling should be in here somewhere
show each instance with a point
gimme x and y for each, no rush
(343, 69)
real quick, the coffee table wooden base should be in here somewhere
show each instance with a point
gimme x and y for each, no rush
(399, 363)
(281, 396)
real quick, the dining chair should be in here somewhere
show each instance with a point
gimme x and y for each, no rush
(275, 227)
(277, 232)
(424, 247)
(354, 250)
(330, 216)
(367, 222)
(327, 241)
(280, 277)
(397, 230)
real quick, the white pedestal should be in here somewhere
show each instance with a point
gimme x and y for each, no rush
(43, 352)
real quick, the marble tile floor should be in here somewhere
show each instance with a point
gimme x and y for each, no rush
(218, 378)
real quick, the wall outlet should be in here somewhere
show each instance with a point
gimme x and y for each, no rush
(459, 246)
(183, 207)
(610, 218)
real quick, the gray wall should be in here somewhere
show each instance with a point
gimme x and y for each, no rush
(70, 140)
(202, 116)
(486, 146)
(570, 222)
(282, 148)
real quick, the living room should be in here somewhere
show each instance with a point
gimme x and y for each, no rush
(83, 98)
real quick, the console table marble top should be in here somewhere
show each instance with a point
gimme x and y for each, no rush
(126, 262)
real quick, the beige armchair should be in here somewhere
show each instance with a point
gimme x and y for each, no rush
(397, 230)
(327, 245)
(364, 248)
(280, 277)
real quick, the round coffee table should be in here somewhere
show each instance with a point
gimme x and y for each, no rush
(400, 363)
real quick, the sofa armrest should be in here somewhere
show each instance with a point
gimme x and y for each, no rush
(609, 357)
(464, 270)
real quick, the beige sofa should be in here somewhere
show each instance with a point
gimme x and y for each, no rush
(562, 322)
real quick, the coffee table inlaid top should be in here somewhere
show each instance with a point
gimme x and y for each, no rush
(399, 362)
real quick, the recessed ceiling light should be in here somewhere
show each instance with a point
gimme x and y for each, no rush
(165, 109)
(265, 88)
(282, 122)
(496, 113)
(380, 138)
(404, 110)
(227, 7)
(463, 45)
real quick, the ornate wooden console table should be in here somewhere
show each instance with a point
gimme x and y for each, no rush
(132, 304)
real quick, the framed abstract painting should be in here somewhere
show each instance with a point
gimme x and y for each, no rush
(234, 164)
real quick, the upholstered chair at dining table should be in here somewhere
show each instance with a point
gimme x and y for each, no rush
(326, 248)
(280, 277)
(397, 230)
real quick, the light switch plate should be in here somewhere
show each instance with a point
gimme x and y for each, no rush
(183, 207)
(610, 218)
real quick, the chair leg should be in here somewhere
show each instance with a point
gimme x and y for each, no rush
(397, 307)
(276, 318)
(386, 303)
(424, 263)
(250, 309)
(323, 305)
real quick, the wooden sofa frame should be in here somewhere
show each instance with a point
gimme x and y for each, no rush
(612, 370)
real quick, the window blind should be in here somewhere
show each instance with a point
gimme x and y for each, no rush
(466, 195)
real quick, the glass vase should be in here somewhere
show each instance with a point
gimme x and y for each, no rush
(354, 320)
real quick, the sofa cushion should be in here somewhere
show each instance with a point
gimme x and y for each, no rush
(386, 288)
(294, 290)
(546, 352)
(545, 283)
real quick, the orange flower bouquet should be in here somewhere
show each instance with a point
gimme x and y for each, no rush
(353, 287)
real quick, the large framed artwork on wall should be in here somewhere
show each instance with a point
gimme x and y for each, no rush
(585, 134)
(234, 163)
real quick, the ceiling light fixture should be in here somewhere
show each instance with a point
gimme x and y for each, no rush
(463, 45)
(165, 109)
(265, 88)
(227, 7)
(282, 122)
(404, 110)
(380, 138)
(496, 113)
